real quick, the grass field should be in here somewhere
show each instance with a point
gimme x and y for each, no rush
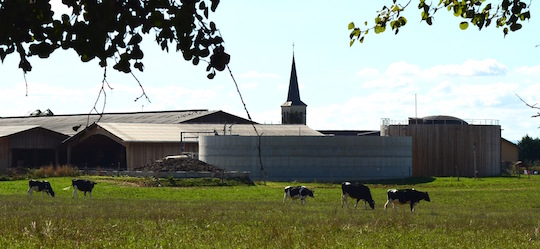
(501, 212)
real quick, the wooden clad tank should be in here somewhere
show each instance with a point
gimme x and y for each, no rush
(448, 146)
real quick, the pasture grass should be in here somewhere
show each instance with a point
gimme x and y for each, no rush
(499, 212)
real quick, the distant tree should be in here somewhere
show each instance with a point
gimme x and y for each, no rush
(507, 14)
(112, 30)
(529, 149)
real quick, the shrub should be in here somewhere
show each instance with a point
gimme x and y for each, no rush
(51, 171)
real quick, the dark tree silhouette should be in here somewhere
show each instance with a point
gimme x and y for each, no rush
(112, 30)
(529, 149)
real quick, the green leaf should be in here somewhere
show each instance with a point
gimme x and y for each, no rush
(463, 25)
(379, 29)
(351, 43)
(351, 25)
(402, 21)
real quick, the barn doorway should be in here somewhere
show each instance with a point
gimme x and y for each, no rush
(99, 151)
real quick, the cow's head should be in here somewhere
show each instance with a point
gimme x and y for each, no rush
(426, 196)
(311, 193)
(49, 189)
(372, 204)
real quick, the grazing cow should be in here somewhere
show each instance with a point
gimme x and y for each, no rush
(358, 192)
(40, 186)
(404, 196)
(82, 185)
(297, 192)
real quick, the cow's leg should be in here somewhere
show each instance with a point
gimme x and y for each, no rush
(365, 204)
(386, 204)
(344, 199)
(30, 190)
(412, 206)
(90, 194)
(284, 197)
(74, 192)
(356, 204)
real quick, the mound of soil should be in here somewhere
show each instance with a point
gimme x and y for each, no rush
(179, 164)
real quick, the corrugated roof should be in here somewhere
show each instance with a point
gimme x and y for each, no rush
(137, 132)
(66, 124)
(140, 132)
(10, 130)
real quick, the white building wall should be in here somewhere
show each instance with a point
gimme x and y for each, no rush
(306, 158)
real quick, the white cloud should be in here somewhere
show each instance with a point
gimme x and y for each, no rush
(487, 67)
(389, 82)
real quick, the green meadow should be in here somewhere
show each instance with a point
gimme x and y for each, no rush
(499, 212)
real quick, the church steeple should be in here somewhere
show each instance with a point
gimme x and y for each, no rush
(294, 92)
(293, 111)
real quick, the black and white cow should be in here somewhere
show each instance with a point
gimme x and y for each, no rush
(82, 185)
(40, 186)
(297, 192)
(358, 192)
(404, 196)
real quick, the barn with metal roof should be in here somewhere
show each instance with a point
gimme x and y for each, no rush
(29, 145)
(130, 145)
(100, 139)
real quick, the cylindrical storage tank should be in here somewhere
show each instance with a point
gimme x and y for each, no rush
(309, 158)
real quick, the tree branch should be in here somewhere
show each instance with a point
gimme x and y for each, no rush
(531, 106)
(101, 91)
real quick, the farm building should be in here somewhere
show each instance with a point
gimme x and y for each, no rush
(449, 146)
(29, 144)
(129, 140)
(36, 141)
(509, 151)
(125, 141)
(129, 145)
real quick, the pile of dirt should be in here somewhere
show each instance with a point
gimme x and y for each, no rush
(180, 163)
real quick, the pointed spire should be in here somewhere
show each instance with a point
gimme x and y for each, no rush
(294, 93)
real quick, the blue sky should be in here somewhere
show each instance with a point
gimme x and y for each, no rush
(466, 74)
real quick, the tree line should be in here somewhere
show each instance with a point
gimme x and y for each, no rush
(529, 150)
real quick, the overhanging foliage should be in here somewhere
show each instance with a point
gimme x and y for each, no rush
(112, 29)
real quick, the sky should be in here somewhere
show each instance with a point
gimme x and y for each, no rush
(423, 71)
